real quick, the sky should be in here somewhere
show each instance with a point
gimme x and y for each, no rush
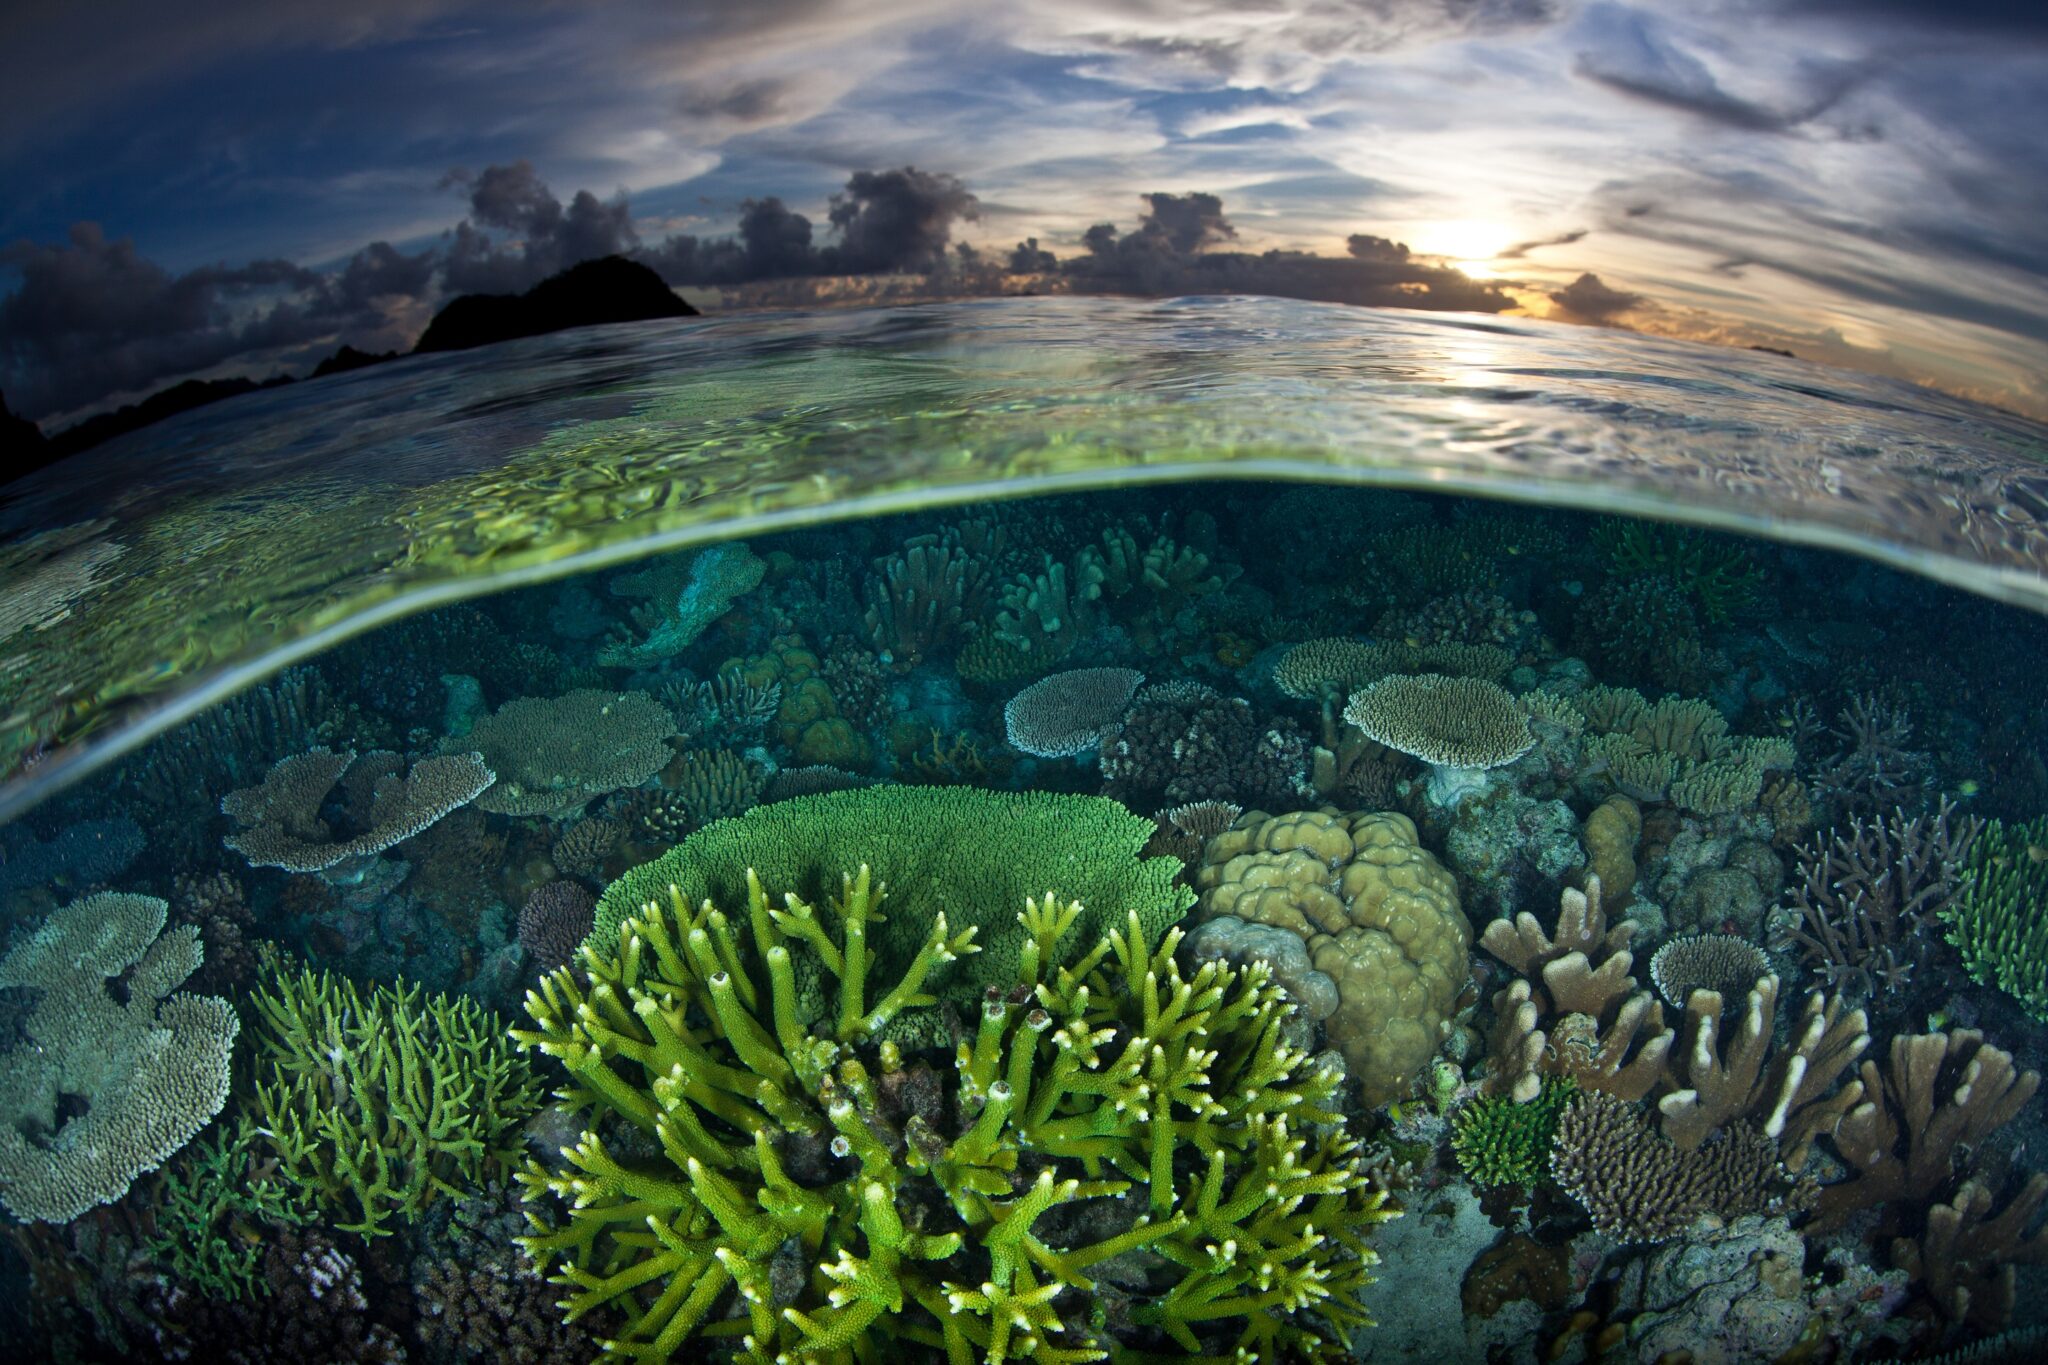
(240, 186)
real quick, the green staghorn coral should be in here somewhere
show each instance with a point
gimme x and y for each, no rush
(1500, 1142)
(377, 1102)
(963, 851)
(1125, 1163)
(1999, 917)
(208, 1205)
(1718, 572)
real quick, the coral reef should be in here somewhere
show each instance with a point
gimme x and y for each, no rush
(842, 1199)
(281, 821)
(1638, 1187)
(554, 756)
(109, 1026)
(554, 922)
(1184, 742)
(1863, 895)
(1064, 713)
(377, 1101)
(971, 853)
(1500, 1142)
(1721, 963)
(1380, 917)
(1573, 1010)
(1458, 726)
(1994, 915)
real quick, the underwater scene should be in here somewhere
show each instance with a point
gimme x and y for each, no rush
(1204, 920)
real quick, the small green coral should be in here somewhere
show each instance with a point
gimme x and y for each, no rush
(1715, 571)
(1500, 1142)
(971, 854)
(213, 1198)
(377, 1102)
(1999, 917)
(1114, 1133)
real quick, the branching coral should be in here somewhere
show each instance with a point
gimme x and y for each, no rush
(1865, 894)
(553, 756)
(1499, 1142)
(108, 1025)
(377, 1102)
(1380, 917)
(281, 821)
(1575, 1010)
(1996, 917)
(1677, 749)
(1718, 572)
(839, 1199)
(921, 599)
(1638, 1187)
(1182, 742)
(960, 850)
(215, 1197)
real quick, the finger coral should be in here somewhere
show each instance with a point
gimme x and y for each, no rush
(1122, 1160)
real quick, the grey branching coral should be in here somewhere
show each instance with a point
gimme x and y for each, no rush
(1866, 894)
(150, 1060)
(553, 923)
(282, 820)
(1064, 714)
(1184, 742)
(553, 756)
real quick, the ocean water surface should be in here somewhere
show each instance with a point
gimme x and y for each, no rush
(1042, 829)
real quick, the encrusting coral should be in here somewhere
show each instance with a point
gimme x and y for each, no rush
(1125, 1162)
(377, 1102)
(1381, 919)
(110, 1025)
(280, 821)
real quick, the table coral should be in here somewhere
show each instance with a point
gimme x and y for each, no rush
(150, 1060)
(1380, 916)
(553, 756)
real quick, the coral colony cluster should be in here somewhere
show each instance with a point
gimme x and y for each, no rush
(1079, 930)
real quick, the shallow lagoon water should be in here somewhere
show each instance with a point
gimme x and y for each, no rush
(1250, 569)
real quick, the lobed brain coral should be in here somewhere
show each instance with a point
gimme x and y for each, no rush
(1380, 916)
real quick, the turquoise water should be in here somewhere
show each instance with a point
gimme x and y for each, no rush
(1605, 934)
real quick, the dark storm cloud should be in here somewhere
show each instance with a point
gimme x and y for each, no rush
(1153, 260)
(92, 317)
(1590, 298)
(885, 222)
(543, 236)
(896, 220)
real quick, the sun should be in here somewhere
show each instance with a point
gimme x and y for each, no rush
(1469, 244)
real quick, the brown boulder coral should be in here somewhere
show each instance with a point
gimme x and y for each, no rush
(1380, 917)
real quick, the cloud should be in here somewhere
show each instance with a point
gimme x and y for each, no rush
(1591, 299)
(898, 220)
(542, 238)
(93, 318)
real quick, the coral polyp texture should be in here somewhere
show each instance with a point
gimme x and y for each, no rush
(553, 756)
(1064, 714)
(1446, 721)
(1380, 917)
(377, 1102)
(959, 850)
(109, 1027)
(1119, 1163)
